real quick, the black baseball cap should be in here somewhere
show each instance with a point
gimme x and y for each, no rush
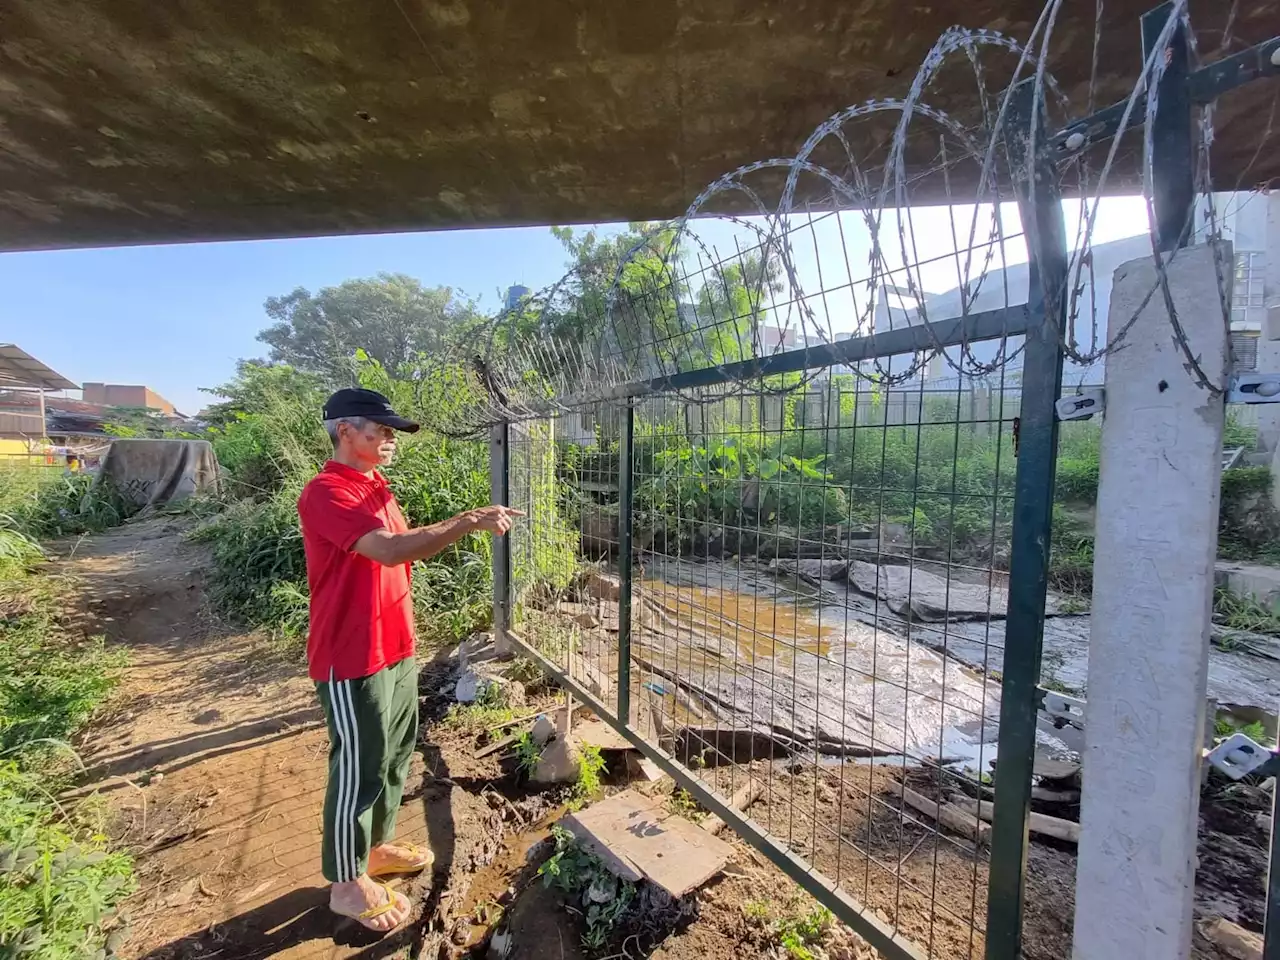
(368, 404)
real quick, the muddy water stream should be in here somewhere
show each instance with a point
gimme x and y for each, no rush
(848, 668)
(731, 649)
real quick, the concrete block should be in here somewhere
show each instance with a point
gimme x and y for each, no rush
(558, 763)
(1153, 592)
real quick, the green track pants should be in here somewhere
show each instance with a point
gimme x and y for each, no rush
(373, 726)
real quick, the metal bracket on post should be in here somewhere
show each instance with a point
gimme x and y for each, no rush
(1254, 388)
(1040, 207)
(1082, 405)
(1241, 756)
(626, 461)
(500, 493)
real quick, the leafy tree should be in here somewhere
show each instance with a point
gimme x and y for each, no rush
(656, 322)
(256, 386)
(392, 317)
(731, 306)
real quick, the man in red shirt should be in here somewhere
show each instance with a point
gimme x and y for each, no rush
(360, 649)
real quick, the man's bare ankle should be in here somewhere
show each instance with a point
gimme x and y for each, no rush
(360, 888)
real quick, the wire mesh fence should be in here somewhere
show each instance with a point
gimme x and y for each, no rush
(790, 477)
(816, 616)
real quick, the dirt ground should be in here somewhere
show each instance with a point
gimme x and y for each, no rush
(212, 759)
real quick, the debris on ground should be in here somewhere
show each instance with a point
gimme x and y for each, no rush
(559, 762)
(603, 586)
(640, 840)
(747, 794)
(1232, 939)
(474, 685)
(1041, 823)
(955, 818)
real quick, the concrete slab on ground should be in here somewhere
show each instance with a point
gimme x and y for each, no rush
(640, 840)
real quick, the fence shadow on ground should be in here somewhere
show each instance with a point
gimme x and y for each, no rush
(300, 916)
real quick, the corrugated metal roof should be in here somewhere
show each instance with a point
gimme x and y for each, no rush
(19, 369)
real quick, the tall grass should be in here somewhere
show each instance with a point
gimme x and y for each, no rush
(43, 502)
(58, 879)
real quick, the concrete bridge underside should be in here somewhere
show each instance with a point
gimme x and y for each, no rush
(132, 121)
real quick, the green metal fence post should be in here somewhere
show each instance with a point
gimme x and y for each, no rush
(1039, 203)
(500, 493)
(626, 465)
(1173, 194)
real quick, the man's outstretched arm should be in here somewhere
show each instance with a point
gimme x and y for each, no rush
(422, 543)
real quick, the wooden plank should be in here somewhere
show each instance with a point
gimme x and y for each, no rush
(496, 746)
(599, 734)
(948, 815)
(638, 839)
(1041, 823)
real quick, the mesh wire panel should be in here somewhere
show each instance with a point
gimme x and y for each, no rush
(817, 617)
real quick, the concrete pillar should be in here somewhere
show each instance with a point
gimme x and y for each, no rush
(1149, 641)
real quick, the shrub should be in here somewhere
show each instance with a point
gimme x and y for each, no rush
(50, 683)
(56, 884)
(57, 879)
(259, 569)
(61, 505)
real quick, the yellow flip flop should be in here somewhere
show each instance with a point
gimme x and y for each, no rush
(420, 859)
(389, 902)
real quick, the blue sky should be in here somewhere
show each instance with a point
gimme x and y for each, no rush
(177, 318)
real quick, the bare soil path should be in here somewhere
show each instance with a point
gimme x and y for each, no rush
(212, 760)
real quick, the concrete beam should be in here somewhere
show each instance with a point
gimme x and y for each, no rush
(1157, 523)
(126, 121)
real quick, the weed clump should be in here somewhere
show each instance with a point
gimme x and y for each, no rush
(604, 897)
(58, 879)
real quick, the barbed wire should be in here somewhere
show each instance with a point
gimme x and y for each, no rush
(675, 301)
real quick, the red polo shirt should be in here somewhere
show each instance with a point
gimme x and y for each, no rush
(361, 611)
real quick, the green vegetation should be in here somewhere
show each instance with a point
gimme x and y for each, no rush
(43, 503)
(590, 766)
(544, 547)
(1245, 613)
(391, 317)
(605, 899)
(1248, 523)
(799, 935)
(58, 879)
(683, 804)
(756, 911)
(528, 752)
(1223, 727)
(50, 682)
(489, 710)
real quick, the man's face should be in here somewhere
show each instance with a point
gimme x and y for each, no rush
(372, 444)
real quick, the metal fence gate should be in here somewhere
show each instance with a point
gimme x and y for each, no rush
(800, 593)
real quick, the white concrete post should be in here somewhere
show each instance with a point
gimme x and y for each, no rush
(1155, 543)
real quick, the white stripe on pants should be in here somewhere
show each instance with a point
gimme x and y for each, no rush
(344, 815)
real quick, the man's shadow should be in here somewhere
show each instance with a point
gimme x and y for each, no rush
(302, 915)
